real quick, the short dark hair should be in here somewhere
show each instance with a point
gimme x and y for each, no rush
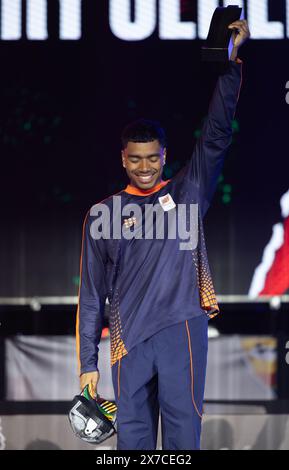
(143, 130)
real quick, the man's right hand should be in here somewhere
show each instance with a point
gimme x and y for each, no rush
(91, 379)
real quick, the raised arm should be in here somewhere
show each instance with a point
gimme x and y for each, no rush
(207, 160)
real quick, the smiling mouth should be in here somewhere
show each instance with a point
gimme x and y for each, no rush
(145, 178)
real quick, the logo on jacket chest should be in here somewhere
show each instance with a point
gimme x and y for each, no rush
(167, 202)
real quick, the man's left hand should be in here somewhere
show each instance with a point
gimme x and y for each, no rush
(240, 34)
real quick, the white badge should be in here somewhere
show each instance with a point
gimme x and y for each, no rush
(167, 202)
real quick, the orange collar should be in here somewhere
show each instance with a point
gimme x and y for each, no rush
(144, 192)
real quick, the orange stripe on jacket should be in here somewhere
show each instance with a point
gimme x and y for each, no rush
(77, 314)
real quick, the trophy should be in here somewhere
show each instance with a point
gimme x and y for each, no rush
(218, 40)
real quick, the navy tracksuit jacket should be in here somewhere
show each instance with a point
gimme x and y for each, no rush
(156, 292)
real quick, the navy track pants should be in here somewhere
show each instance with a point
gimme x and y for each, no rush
(163, 374)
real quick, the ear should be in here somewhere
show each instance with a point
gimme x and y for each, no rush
(165, 156)
(123, 158)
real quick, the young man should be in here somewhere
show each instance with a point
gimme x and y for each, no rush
(158, 285)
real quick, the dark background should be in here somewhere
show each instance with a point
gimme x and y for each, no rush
(63, 106)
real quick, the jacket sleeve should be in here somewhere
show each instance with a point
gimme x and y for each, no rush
(91, 299)
(206, 162)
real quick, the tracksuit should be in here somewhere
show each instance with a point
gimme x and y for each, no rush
(160, 296)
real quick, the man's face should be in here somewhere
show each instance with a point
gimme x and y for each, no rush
(144, 163)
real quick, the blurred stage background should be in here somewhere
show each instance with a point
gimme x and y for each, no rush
(73, 73)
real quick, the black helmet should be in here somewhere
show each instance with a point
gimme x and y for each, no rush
(92, 419)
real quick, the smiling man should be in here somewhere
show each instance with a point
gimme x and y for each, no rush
(144, 161)
(160, 296)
